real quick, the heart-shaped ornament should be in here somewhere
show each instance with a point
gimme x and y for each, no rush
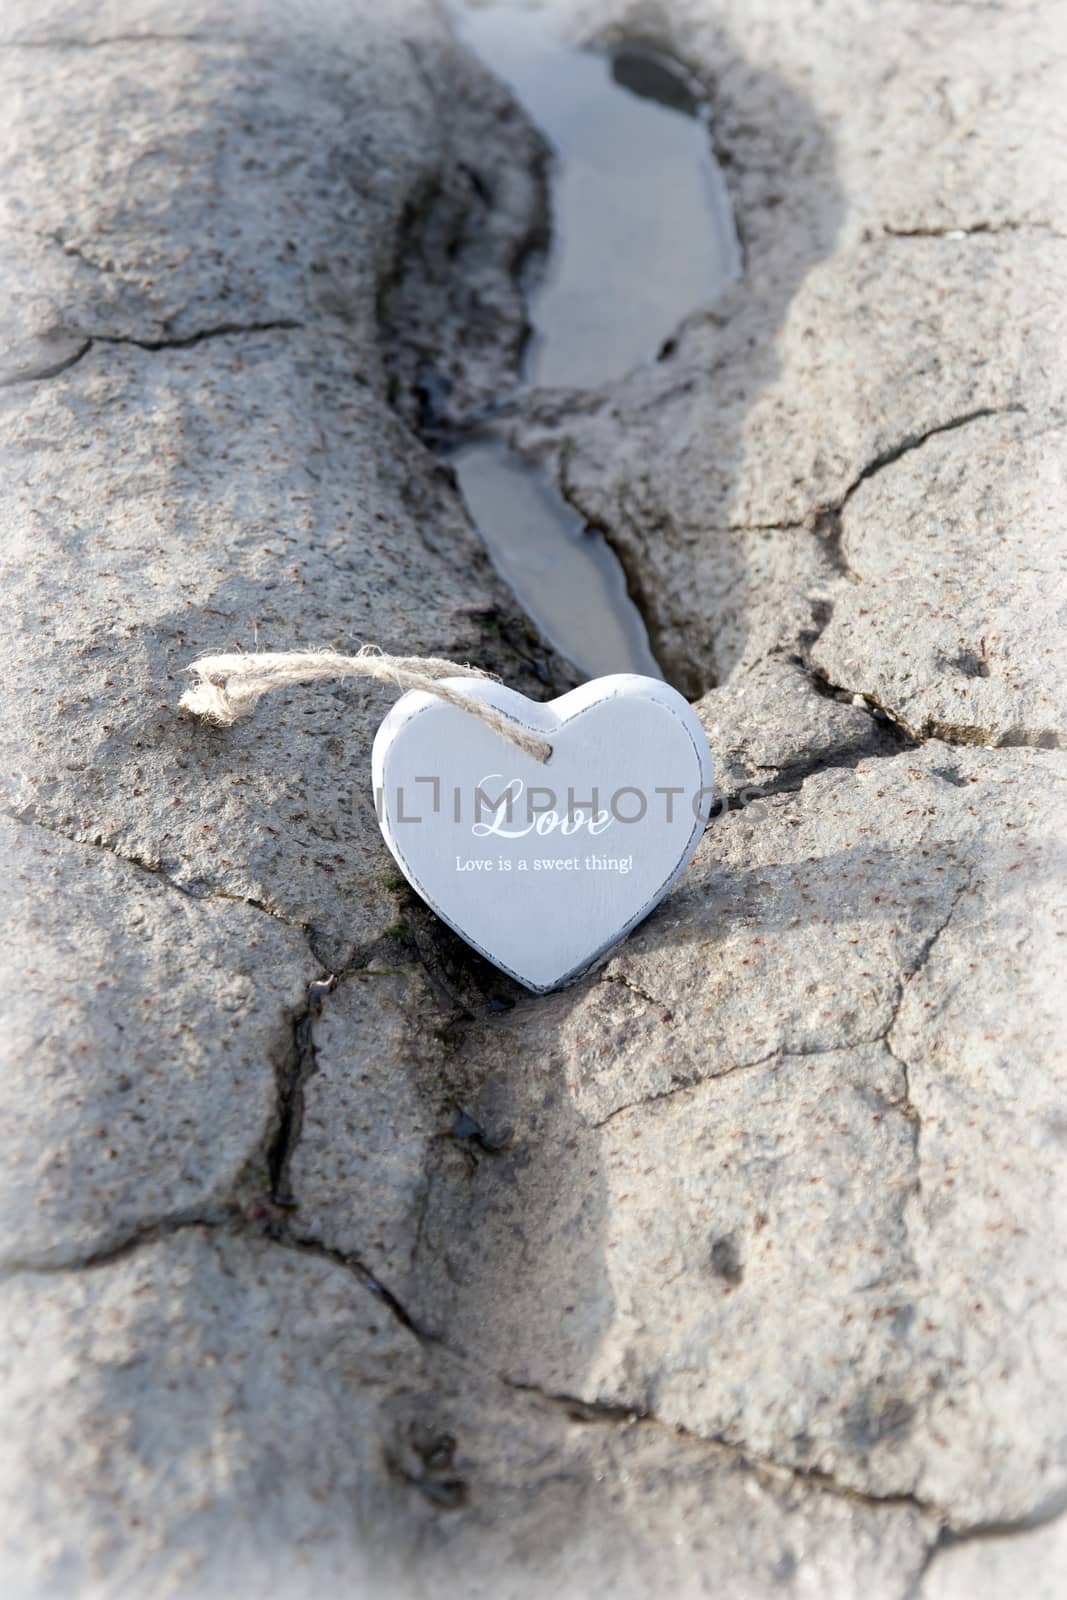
(542, 866)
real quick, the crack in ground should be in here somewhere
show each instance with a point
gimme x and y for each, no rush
(832, 509)
(293, 1074)
(785, 526)
(972, 230)
(166, 342)
(591, 1412)
(355, 1265)
(110, 40)
(1050, 1511)
(963, 735)
(158, 1229)
(221, 330)
(154, 869)
(50, 370)
(143, 1233)
(904, 1105)
(791, 778)
(620, 977)
(826, 519)
(681, 1086)
(597, 1411)
(828, 524)
(576, 1409)
(908, 978)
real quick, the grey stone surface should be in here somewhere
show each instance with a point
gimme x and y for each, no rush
(248, 487)
(738, 1267)
(162, 1436)
(884, 297)
(309, 1445)
(712, 491)
(961, 542)
(1031, 1562)
(767, 730)
(143, 1036)
(815, 1211)
(358, 1171)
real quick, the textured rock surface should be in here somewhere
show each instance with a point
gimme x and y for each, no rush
(738, 1267)
(950, 550)
(146, 1034)
(784, 1171)
(368, 1119)
(884, 298)
(248, 485)
(1027, 1562)
(309, 1445)
(223, 1331)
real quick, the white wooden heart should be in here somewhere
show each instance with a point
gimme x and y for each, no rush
(544, 866)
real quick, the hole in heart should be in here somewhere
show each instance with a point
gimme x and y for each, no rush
(641, 233)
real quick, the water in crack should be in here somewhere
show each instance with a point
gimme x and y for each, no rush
(642, 233)
(564, 576)
(642, 230)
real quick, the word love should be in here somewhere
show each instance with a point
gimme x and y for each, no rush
(621, 758)
(541, 815)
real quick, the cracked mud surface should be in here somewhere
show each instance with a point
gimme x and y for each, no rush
(336, 1263)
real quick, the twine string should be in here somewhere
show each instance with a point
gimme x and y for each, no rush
(227, 687)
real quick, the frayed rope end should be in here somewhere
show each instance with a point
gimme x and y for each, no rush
(226, 688)
(211, 702)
